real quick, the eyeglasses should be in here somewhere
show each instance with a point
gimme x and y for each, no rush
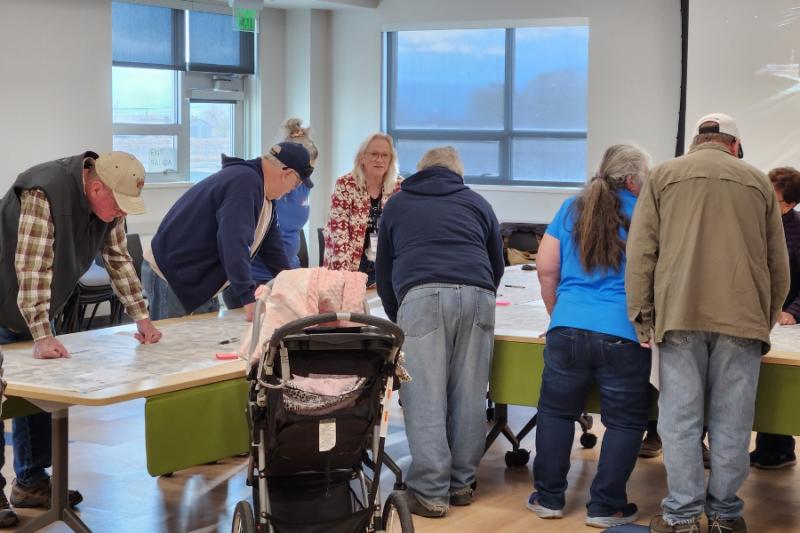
(376, 156)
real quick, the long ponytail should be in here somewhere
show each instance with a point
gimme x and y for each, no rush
(598, 217)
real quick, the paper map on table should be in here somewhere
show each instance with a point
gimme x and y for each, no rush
(526, 315)
(102, 358)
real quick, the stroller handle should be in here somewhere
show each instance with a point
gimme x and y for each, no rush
(299, 325)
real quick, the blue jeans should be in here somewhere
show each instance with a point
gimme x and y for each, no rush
(163, 302)
(449, 340)
(573, 360)
(31, 435)
(703, 372)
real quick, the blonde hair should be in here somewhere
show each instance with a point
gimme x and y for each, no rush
(390, 177)
(442, 156)
(293, 131)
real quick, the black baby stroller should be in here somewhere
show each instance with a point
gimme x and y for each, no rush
(309, 450)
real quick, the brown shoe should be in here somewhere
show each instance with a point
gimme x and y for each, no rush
(38, 496)
(659, 525)
(418, 508)
(651, 446)
(718, 525)
(8, 518)
(462, 497)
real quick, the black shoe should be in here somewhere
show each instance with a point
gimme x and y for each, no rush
(420, 509)
(38, 496)
(8, 518)
(755, 455)
(774, 460)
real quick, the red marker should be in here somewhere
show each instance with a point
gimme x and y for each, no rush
(227, 356)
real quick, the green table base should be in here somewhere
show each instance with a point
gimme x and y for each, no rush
(517, 376)
(196, 426)
(14, 407)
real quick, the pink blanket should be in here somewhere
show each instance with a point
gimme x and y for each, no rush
(304, 292)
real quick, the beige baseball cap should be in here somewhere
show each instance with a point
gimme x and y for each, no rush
(124, 175)
(719, 123)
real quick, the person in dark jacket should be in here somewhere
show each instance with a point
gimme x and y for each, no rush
(777, 451)
(292, 211)
(210, 235)
(439, 263)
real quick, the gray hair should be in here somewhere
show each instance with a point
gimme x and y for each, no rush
(623, 160)
(442, 156)
(719, 138)
(390, 178)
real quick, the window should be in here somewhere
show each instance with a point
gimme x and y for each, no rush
(178, 89)
(512, 101)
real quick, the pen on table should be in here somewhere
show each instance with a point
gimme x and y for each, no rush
(228, 341)
(515, 286)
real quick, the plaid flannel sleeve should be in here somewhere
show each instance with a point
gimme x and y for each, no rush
(119, 265)
(33, 261)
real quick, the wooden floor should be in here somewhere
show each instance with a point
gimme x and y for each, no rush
(108, 467)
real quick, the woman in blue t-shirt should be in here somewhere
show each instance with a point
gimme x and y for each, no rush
(292, 210)
(581, 266)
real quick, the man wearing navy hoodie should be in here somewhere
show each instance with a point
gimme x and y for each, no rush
(439, 263)
(210, 235)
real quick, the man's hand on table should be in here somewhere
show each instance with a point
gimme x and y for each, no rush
(49, 348)
(786, 319)
(146, 332)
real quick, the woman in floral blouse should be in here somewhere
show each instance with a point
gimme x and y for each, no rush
(356, 206)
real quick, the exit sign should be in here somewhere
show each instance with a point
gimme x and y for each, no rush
(245, 19)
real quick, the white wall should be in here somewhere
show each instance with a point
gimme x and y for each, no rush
(55, 82)
(634, 77)
(55, 98)
(747, 64)
(308, 60)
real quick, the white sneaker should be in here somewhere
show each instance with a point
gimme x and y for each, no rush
(540, 510)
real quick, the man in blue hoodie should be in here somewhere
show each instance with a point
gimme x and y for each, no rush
(440, 260)
(210, 235)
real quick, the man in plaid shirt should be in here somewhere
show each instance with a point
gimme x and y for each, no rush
(53, 221)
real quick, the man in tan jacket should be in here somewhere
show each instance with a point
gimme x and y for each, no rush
(707, 275)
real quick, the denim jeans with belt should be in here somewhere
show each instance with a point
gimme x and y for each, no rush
(31, 436)
(449, 340)
(163, 302)
(704, 372)
(574, 359)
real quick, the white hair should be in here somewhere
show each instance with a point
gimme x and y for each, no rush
(442, 156)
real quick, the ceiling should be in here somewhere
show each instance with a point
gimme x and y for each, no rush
(316, 4)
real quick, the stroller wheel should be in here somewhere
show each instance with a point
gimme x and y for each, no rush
(588, 440)
(518, 457)
(243, 519)
(396, 515)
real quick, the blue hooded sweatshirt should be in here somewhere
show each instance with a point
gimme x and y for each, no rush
(436, 230)
(293, 211)
(205, 238)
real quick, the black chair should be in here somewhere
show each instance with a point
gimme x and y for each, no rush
(94, 288)
(302, 253)
(321, 243)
